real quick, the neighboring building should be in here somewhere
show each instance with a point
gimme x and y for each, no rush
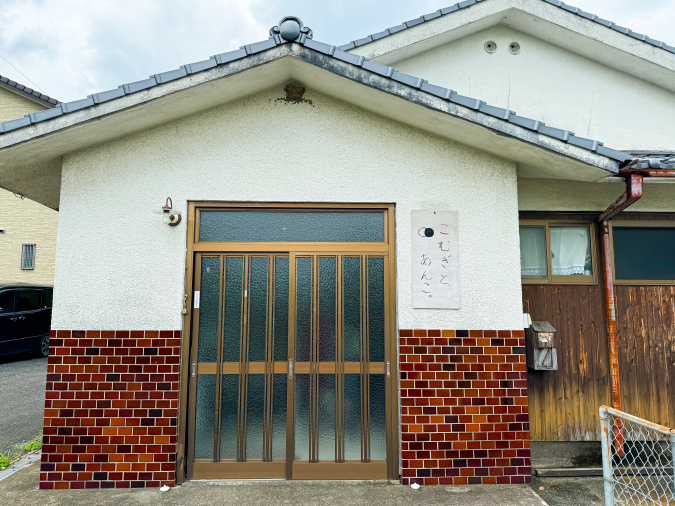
(343, 294)
(28, 242)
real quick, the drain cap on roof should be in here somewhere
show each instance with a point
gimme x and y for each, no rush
(290, 28)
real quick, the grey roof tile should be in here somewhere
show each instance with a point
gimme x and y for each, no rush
(224, 58)
(327, 49)
(413, 81)
(468, 3)
(48, 101)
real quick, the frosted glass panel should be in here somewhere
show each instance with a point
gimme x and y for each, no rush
(303, 309)
(352, 416)
(327, 417)
(257, 333)
(208, 311)
(352, 308)
(232, 309)
(279, 399)
(205, 417)
(281, 310)
(327, 290)
(376, 309)
(378, 418)
(301, 417)
(255, 406)
(229, 416)
(291, 226)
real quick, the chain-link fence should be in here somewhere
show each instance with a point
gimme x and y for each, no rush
(637, 460)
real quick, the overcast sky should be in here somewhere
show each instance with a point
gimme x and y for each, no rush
(71, 48)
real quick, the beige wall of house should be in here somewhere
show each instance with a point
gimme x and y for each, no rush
(554, 85)
(26, 222)
(13, 105)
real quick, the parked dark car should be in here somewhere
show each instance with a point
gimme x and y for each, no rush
(25, 318)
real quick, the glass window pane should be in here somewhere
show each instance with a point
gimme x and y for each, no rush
(29, 300)
(303, 308)
(571, 251)
(533, 252)
(281, 311)
(279, 399)
(257, 320)
(376, 309)
(208, 310)
(351, 292)
(301, 417)
(205, 416)
(232, 310)
(255, 405)
(378, 418)
(48, 297)
(6, 302)
(291, 226)
(644, 253)
(229, 416)
(327, 289)
(327, 417)
(352, 416)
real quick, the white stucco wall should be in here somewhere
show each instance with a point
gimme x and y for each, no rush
(554, 85)
(119, 267)
(557, 195)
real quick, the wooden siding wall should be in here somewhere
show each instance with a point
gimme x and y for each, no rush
(563, 404)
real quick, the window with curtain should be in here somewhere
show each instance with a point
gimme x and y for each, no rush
(553, 252)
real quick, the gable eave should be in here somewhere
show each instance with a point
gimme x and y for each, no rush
(539, 18)
(42, 145)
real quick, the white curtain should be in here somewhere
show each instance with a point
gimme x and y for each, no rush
(571, 251)
(533, 251)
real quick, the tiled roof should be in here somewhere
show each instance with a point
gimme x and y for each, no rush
(326, 49)
(25, 90)
(654, 159)
(469, 3)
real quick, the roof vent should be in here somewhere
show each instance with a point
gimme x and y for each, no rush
(290, 28)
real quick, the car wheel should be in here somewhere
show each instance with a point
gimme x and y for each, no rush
(44, 345)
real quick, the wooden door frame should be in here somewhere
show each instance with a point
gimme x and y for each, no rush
(387, 248)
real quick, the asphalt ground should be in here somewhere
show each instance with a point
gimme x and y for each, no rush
(22, 398)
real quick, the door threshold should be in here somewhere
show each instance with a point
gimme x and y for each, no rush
(279, 481)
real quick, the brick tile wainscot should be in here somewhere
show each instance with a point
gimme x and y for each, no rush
(111, 409)
(464, 407)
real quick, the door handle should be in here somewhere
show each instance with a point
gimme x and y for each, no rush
(194, 369)
(290, 368)
(388, 369)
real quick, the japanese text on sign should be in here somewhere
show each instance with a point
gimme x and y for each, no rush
(435, 259)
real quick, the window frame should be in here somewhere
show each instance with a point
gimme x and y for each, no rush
(24, 248)
(637, 224)
(563, 280)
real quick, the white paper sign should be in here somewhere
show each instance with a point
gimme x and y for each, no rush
(435, 259)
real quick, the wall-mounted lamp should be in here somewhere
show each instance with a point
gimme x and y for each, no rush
(171, 216)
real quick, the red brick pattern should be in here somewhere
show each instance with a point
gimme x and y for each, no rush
(464, 407)
(111, 409)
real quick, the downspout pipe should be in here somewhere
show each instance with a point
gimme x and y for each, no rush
(631, 195)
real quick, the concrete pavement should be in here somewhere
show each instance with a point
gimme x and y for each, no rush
(22, 398)
(21, 489)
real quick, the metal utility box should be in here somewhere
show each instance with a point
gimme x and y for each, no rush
(541, 347)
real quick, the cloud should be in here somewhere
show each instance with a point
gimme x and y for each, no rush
(72, 48)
